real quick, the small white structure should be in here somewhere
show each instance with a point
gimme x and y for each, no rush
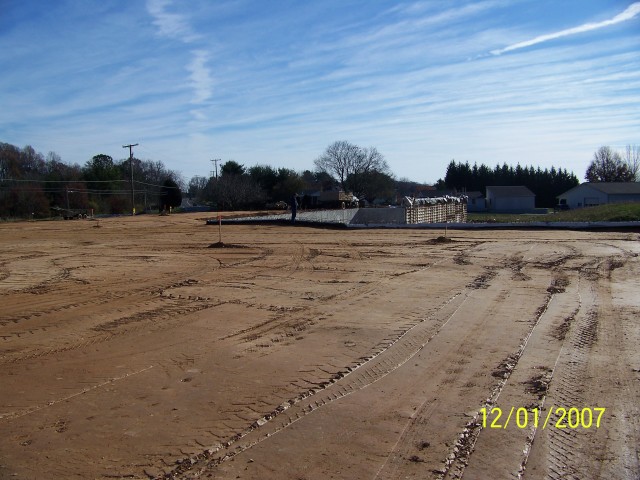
(510, 199)
(592, 194)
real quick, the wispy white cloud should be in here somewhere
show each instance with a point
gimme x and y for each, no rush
(171, 25)
(631, 12)
(201, 80)
(177, 26)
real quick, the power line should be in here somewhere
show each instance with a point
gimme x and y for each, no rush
(155, 185)
(19, 180)
(62, 190)
(58, 181)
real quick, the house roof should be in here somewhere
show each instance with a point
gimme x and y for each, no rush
(510, 191)
(617, 188)
(474, 194)
(611, 188)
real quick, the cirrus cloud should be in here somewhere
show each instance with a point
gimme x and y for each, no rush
(631, 12)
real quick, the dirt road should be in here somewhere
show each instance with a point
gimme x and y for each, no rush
(128, 349)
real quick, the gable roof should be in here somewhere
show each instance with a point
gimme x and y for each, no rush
(510, 191)
(609, 188)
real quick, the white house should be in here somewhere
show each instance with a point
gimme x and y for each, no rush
(592, 194)
(510, 199)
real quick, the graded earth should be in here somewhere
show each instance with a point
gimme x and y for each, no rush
(130, 349)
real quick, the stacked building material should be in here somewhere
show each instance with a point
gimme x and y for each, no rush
(447, 209)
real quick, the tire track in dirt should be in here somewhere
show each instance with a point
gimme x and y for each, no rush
(132, 322)
(161, 317)
(578, 331)
(390, 355)
(359, 289)
(417, 427)
(458, 457)
(263, 254)
(567, 387)
(540, 385)
(129, 321)
(582, 326)
(358, 375)
(54, 306)
(254, 331)
(34, 409)
(368, 370)
(411, 441)
(47, 284)
(46, 304)
(566, 453)
(91, 297)
(6, 272)
(497, 452)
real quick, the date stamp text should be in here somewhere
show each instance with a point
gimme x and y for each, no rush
(555, 417)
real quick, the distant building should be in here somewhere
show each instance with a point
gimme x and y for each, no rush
(593, 194)
(510, 199)
(475, 202)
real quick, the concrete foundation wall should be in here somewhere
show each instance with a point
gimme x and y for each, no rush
(453, 212)
(379, 216)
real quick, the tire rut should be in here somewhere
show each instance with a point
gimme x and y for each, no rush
(390, 356)
(567, 389)
(457, 459)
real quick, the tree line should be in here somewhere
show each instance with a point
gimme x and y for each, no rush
(361, 171)
(32, 184)
(37, 185)
(547, 184)
(240, 188)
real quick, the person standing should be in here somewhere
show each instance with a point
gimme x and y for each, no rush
(294, 207)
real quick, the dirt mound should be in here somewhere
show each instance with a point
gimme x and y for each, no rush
(226, 245)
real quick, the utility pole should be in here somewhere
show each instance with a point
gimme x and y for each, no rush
(216, 160)
(133, 204)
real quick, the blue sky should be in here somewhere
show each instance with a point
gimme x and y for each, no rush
(540, 82)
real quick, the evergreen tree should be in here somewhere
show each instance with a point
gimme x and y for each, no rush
(546, 184)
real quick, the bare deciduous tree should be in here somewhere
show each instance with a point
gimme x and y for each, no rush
(369, 163)
(631, 158)
(607, 166)
(339, 159)
(351, 164)
(197, 186)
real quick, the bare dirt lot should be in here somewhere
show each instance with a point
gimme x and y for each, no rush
(128, 349)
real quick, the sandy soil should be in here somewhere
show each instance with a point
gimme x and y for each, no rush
(128, 349)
